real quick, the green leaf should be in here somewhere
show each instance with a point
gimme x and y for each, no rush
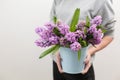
(47, 51)
(57, 32)
(75, 20)
(104, 30)
(80, 39)
(87, 22)
(101, 27)
(79, 54)
(89, 36)
(85, 30)
(84, 43)
(56, 49)
(55, 19)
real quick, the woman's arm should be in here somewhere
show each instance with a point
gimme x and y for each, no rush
(105, 41)
(58, 62)
(92, 50)
(107, 13)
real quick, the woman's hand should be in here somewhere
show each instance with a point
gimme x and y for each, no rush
(92, 50)
(60, 70)
(87, 63)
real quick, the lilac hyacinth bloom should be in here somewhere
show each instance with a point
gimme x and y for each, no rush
(43, 32)
(54, 40)
(81, 25)
(42, 43)
(92, 28)
(50, 26)
(39, 43)
(38, 30)
(80, 34)
(75, 46)
(63, 28)
(71, 36)
(96, 20)
(62, 41)
(95, 41)
(96, 35)
(46, 34)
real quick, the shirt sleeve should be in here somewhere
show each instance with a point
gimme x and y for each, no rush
(108, 16)
(53, 12)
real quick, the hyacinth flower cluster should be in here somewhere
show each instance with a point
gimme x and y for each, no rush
(75, 36)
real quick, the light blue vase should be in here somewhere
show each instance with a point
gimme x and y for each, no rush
(70, 62)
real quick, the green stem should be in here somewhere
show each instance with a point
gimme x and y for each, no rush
(79, 54)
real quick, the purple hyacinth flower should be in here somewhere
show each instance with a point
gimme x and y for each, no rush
(54, 40)
(50, 26)
(80, 34)
(63, 28)
(75, 46)
(42, 43)
(92, 28)
(46, 34)
(96, 20)
(62, 41)
(97, 36)
(81, 25)
(39, 43)
(38, 30)
(71, 36)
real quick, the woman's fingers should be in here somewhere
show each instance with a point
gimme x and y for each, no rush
(87, 66)
(61, 71)
(88, 58)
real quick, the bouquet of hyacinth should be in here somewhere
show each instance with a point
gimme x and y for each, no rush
(77, 35)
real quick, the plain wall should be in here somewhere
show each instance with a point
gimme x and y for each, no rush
(19, 55)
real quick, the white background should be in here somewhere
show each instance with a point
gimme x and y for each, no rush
(19, 55)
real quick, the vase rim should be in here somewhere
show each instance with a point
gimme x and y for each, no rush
(68, 47)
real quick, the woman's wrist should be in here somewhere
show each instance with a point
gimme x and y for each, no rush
(92, 50)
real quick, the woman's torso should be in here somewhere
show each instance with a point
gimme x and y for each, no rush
(64, 9)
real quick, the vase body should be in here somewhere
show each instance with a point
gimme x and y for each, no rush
(70, 62)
